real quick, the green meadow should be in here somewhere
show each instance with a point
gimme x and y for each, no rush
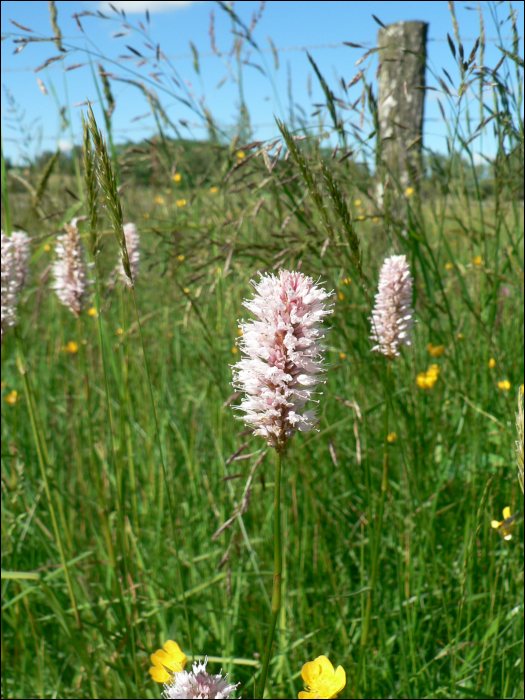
(122, 456)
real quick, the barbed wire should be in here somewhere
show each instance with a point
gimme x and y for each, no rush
(249, 52)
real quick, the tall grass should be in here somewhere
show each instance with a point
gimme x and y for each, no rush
(120, 462)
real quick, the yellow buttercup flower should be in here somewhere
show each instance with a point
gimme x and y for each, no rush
(342, 355)
(159, 200)
(119, 331)
(360, 217)
(409, 191)
(449, 266)
(177, 177)
(347, 280)
(166, 662)
(71, 347)
(239, 331)
(92, 312)
(180, 258)
(357, 203)
(426, 380)
(492, 363)
(47, 247)
(504, 385)
(461, 336)
(521, 388)
(145, 216)
(186, 290)
(12, 397)
(234, 350)
(341, 296)
(391, 438)
(181, 202)
(375, 219)
(214, 190)
(241, 155)
(506, 525)
(321, 680)
(478, 260)
(435, 350)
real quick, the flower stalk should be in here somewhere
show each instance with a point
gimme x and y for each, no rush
(277, 575)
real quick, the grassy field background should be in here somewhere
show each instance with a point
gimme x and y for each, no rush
(447, 616)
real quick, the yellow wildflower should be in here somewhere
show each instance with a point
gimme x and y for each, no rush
(342, 355)
(426, 380)
(120, 331)
(234, 350)
(241, 155)
(181, 202)
(391, 438)
(12, 397)
(159, 200)
(360, 217)
(2, 384)
(506, 525)
(347, 280)
(461, 336)
(177, 177)
(478, 260)
(435, 350)
(166, 662)
(47, 247)
(504, 385)
(214, 190)
(321, 680)
(239, 331)
(357, 203)
(375, 219)
(145, 216)
(92, 312)
(492, 363)
(449, 266)
(186, 290)
(180, 258)
(521, 388)
(171, 335)
(409, 191)
(341, 296)
(71, 347)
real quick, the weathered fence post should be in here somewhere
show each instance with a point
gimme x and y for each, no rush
(402, 57)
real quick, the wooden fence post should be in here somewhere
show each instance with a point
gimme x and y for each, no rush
(402, 57)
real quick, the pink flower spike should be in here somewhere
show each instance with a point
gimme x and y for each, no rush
(70, 270)
(132, 245)
(15, 261)
(284, 355)
(392, 319)
(199, 684)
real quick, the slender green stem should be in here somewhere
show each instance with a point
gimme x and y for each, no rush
(277, 574)
(93, 459)
(377, 538)
(175, 539)
(22, 365)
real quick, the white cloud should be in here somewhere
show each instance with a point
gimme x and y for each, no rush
(64, 146)
(140, 6)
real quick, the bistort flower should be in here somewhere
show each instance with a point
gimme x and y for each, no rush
(70, 270)
(167, 662)
(284, 355)
(132, 245)
(392, 315)
(321, 680)
(199, 684)
(15, 259)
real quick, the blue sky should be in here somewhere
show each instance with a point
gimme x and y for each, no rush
(323, 26)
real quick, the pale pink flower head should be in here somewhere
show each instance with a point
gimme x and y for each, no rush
(132, 245)
(284, 355)
(15, 261)
(392, 317)
(199, 684)
(70, 270)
